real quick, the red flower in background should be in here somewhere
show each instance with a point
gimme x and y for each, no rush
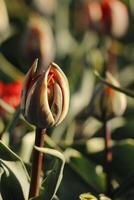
(11, 92)
(115, 18)
(104, 16)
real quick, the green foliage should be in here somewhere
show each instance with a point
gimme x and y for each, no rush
(86, 168)
(88, 196)
(14, 178)
(52, 181)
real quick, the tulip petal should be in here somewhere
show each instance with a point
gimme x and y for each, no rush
(44, 102)
(119, 103)
(37, 110)
(111, 79)
(30, 109)
(63, 83)
(120, 18)
(27, 82)
(56, 107)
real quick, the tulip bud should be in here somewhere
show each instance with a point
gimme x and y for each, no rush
(109, 101)
(114, 17)
(45, 96)
(104, 16)
(38, 40)
(45, 7)
(79, 18)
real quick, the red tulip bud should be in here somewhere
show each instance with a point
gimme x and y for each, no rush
(45, 96)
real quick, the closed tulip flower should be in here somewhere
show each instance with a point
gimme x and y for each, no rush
(45, 7)
(104, 16)
(109, 101)
(38, 40)
(115, 18)
(45, 96)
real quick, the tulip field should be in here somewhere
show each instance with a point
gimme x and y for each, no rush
(66, 100)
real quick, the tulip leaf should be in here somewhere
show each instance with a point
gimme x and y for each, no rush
(13, 175)
(120, 167)
(88, 196)
(86, 169)
(126, 188)
(124, 149)
(53, 180)
(9, 71)
(103, 197)
(41, 198)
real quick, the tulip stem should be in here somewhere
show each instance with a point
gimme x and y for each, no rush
(36, 164)
(107, 157)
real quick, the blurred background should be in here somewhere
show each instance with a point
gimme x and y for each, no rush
(82, 37)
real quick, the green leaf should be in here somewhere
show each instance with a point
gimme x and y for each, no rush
(41, 197)
(14, 177)
(122, 163)
(123, 154)
(87, 196)
(53, 180)
(86, 169)
(126, 188)
(9, 71)
(10, 183)
(103, 197)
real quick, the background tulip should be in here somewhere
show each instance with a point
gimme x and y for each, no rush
(45, 96)
(114, 17)
(38, 40)
(108, 100)
(45, 7)
(104, 16)
(10, 92)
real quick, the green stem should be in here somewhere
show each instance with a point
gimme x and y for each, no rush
(107, 158)
(37, 164)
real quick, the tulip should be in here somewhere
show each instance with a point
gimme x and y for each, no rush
(79, 17)
(10, 92)
(44, 103)
(45, 96)
(114, 17)
(109, 101)
(104, 16)
(45, 7)
(38, 40)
